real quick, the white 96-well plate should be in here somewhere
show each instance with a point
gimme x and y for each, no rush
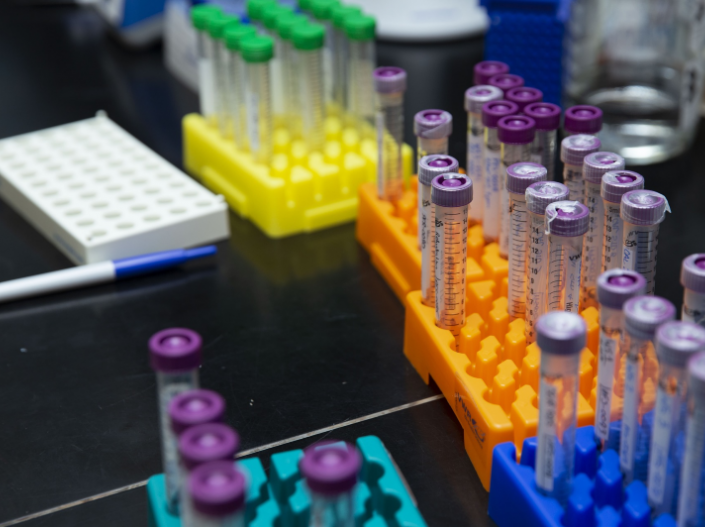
(99, 194)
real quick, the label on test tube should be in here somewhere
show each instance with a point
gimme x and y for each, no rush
(547, 424)
(693, 458)
(630, 415)
(693, 307)
(490, 225)
(592, 257)
(475, 160)
(605, 380)
(639, 251)
(536, 271)
(660, 440)
(612, 251)
(425, 233)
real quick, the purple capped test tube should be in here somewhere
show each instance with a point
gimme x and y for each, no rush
(676, 342)
(614, 185)
(451, 195)
(538, 196)
(492, 112)
(642, 316)
(595, 166)
(573, 152)
(515, 134)
(475, 97)
(642, 211)
(390, 85)
(506, 81)
(195, 407)
(432, 129)
(175, 355)
(523, 96)
(519, 177)
(566, 224)
(483, 71)
(614, 288)
(693, 282)
(429, 168)
(561, 337)
(330, 470)
(543, 150)
(582, 119)
(217, 495)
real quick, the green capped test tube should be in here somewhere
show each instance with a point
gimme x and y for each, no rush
(234, 36)
(217, 28)
(360, 30)
(340, 55)
(257, 52)
(200, 17)
(323, 14)
(290, 80)
(308, 42)
(270, 16)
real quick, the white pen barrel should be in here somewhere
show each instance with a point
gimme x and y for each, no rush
(57, 281)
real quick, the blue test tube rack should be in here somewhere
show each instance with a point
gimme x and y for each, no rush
(597, 498)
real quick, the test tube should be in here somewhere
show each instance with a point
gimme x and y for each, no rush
(323, 14)
(270, 17)
(505, 82)
(451, 195)
(595, 166)
(200, 445)
(691, 501)
(217, 28)
(233, 37)
(175, 355)
(566, 224)
(432, 129)
(515, 134)
(492, 112)
(642, 316)
(390, 85)
(484, 70)
(561, 337)
(217, 491)
(519, 177)
(614, 185)
(693, 282)
(257, 53)
(360, 30)
(614, 288)
(543, 150)
(538, 196)
(582, 119)
(429, 168)
(573, 152)
(200, 17)
(676, 342)
(308, 45)
(642, 211)
(254, 12)
(340, 54)
(475, 97)
(523, 96)
(292, 110)
(330, 471)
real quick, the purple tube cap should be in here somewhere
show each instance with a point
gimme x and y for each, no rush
(575, 148)
(506, 81)
(617, 286)
(331, 468)
(567, 218)
(486, 69)
(583, 119)
(616, 183)
(175, 350)
(207, 443)
(696, 375)
(677, 341)
(523, 96)
(521, 175)
(389, 79)
(516, 130)
(546, 115)
(217, 489)
(476, 96)
(693, 273)
(451, 190)
(539, 195)
(434, 165)
(561, 333)
(645, 313)
(493, 111)
(595, 165)
(643, 207)
(195, 407)
(433, 124)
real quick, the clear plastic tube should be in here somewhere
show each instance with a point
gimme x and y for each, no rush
(259, 111)
(340, 66)
(170, 384)
(563, 281)
(693, 281)
(593, 244)
(475, 162)
(390, 84)
(543, 151)
(491, 179)
(237, 99)
(428, 146)
(511, 154)
(693, 309)
(451, 248)
(291, 89)
(573, 179)
(223, 89)
(360, 89)
(207, 76)
(332, 510)
(536, 270)
(610, 363)
(612, 225)
(639, 245)
(310, 69)
(518, 222)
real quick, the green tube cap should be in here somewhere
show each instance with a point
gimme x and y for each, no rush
(340, 12)
(286, 23)
(235, 35)
(322, 9)
(218, 24)
(271, 13)
(308, 37)
(257, 49)
(255, 7)
(360, 27)
(201, 15)
(305, 5)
